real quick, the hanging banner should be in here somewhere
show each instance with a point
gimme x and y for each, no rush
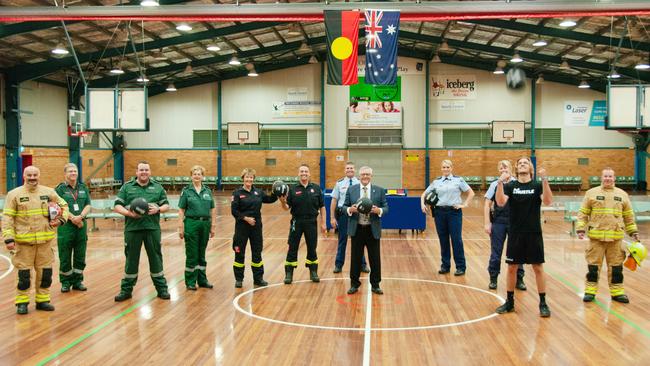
(296, 109)
(382, 29)
(407, 66)
(453, 87)
(375, 106)
(576, 113)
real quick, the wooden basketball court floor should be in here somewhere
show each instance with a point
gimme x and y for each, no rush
(422, 319)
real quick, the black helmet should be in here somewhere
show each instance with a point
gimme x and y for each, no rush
(280, 188)
(140, 206)
(364, 205)
(431, 198)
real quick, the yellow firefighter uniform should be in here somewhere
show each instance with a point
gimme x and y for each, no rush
(25, 221)
(605, 215)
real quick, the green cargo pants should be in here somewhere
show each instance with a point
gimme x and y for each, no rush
(197, 234)
(72, 241)
(132, 248)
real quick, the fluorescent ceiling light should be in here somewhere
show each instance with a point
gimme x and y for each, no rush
(213, 48)
(234, 61)
(516, 58)
(568, 23)
(584, 85)
(60, 50)
(149, 3)
(184, 27)
(171, 87)
(498, 71)
(539, 43)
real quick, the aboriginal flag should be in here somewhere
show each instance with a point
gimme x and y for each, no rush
(342, 28)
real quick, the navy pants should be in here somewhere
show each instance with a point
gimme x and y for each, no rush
(342, 225)
(449, 224)
(497, 239)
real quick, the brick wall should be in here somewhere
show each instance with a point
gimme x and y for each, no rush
(50, 161)
(97, 157)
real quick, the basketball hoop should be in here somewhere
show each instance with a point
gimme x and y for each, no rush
(242, 141)
(87, 137)
(509, 141)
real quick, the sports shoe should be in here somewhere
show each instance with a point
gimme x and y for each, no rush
(621, 298)
(507, 307)
(337, 269)
(544, 311)
(239, 284)
(588, 297)
(65, 288)
(122, 296)
(365, 269)
(45, 306)
(260, 283)
(163, 294)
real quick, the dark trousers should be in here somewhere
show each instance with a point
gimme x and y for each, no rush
(71, 241)
(197, 235)
(362, 239)
(497, 239)
(132, 249)
(342, 225)
(298, 228)
(449, 223)
(243, 233)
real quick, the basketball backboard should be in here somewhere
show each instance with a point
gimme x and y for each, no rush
(508, 132)
(243, 133)
(116, 109)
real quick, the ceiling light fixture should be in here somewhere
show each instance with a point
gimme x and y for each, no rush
(304, 47)
(313, 60)
(565, 65)
(142, 79)
(294, 30)
(539, 43)
(184, 27)
(252, 72)
(149, 3)
(584, 85)
(436, 59)
(643, 65)
(498, 71)
(444, 46)
(614, 74)
(213, 48)
(540, 79)
(60, 50)
(188, 69)
(234, 61)
(516, 58)
(567, 23)
(171, 88)
(117, 70)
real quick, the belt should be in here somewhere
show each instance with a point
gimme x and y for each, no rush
(445, 208)
(198, 218)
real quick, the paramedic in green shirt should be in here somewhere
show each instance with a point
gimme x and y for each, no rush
(196, 226)
(72, 237)
(139, 229)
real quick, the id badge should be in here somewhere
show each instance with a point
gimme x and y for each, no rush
(75, 207)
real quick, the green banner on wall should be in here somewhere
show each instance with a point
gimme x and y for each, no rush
(376, 93)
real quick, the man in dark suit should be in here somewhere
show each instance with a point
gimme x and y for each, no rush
(365, 229)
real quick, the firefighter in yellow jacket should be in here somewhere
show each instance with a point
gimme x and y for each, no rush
(28, 230)
(605, 214)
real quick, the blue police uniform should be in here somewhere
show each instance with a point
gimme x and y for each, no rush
(500, 224)
(449, 221)
(338, 193)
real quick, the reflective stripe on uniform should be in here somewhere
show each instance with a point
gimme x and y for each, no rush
(585, 210)
(238, 265)
(617, 291)
(591, 290)
(159, 274)
(628, 213)
(605, 234)
(22, 299)
(42, 298)
(201, 268)
(26, 213)
(68, 273)
(307, 261)
(260, 264)
(187, 269)
(78, 270)
(126, 275)
(606, 211)
(292, 264)
(631, 228)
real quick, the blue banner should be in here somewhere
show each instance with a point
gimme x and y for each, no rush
(382, 28)
(598, 113)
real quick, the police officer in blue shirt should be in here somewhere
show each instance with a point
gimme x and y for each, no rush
(338, 197)
(449, 216)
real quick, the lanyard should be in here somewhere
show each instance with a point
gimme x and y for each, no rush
(74, 193)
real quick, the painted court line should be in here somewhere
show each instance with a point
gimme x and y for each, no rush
(600, 304)
(366, 335)
(11, 267)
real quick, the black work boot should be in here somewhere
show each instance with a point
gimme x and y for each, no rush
(22, 308)
(520, 284)
(122, 296)
(45, 306)
(493, 283)
(507, 307)
(313, 273)
(288, 275)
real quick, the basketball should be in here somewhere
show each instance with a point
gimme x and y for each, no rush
(364, 205)
(516, 78)
(54, 210)
(140, 206)
(279, 188)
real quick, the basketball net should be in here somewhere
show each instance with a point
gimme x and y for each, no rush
(509, 141)
(242, 141)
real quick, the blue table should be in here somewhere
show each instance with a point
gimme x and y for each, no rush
(403, 213)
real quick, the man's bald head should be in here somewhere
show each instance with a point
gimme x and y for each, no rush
(31, 176)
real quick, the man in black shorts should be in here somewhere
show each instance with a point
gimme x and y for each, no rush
(525, 242)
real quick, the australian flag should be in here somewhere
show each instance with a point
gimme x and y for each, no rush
(382, 29)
